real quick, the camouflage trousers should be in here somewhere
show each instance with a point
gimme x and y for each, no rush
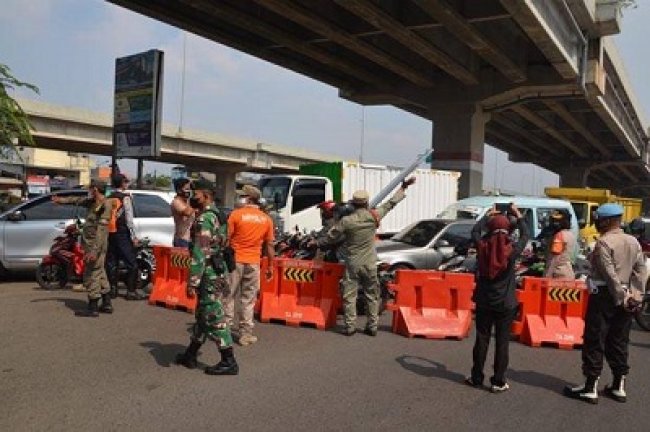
(210, 320)
(94, 278)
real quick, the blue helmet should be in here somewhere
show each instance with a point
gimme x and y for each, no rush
(609, 210)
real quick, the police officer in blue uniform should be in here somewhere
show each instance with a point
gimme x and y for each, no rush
(616, 283)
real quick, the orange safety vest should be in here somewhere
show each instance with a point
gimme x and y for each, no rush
(117, 211)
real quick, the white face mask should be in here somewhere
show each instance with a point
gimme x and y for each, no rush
(242, 201)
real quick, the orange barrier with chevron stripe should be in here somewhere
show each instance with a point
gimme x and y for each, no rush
(301, 292)
(552, 311)
(170, 279)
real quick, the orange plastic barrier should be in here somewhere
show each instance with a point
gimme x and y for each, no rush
(301, 292)
(552, 312)
(430, 304)
(170, 279)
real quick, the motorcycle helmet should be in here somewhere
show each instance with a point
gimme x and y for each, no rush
(636, 226)
(327, 208)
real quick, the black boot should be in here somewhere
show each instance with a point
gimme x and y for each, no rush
(131, 281)
(587, 392)
(188, 358)
(91, 312)
(227, 365)
(106, 306)
(617, 390)
(113, 291)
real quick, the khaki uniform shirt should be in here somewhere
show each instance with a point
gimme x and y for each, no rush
(617, 260)
(357, 232)
(94, 234)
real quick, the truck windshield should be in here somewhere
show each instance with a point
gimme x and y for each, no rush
(275, 190)
(460, 211)
(582, 211)
(419, 234)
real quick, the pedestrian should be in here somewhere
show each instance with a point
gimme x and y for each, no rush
(616, 283)
(356, 232)
(494, 296)
(250, 231)
(122, 239)
(560, 247)
(209, 280)
(182, 212)
(94, 240)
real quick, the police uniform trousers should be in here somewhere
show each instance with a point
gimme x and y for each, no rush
(94, 277)
(366, 277)
(607, 332)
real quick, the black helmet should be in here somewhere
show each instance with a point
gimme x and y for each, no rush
(637, 226)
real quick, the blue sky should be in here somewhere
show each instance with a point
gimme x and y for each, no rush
(68, 48)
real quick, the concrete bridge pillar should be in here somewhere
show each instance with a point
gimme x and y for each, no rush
(458, 141)
(226, 186)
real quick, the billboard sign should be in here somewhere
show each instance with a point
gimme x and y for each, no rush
(138, 105)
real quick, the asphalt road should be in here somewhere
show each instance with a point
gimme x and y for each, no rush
(63, 373)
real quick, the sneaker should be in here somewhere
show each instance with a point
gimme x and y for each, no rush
(470, 382)
(247, 340)
(499, 388)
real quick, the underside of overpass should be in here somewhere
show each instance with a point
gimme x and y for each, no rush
(534, 78)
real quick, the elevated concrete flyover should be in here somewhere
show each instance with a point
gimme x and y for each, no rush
(81, 131)
(535, 78)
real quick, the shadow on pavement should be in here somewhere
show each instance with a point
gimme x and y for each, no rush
(538, 379)
(71, 303)
(164, 354)
(429, 368)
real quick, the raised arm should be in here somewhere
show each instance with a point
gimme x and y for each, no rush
(397, 197)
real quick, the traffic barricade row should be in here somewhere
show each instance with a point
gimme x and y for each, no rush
(429, 304)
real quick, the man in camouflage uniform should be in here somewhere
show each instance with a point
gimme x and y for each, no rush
(616, 283)
(94, 237)
(208, 279)
(357, 231)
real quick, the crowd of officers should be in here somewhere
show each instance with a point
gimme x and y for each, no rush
(227, 253)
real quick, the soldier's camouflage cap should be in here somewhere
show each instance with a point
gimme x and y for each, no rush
(203, 184)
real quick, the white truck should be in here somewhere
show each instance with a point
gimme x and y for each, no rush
(296, 197)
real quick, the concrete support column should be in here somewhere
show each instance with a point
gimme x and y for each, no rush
(226, 186)
(574, 177)
(458, 141)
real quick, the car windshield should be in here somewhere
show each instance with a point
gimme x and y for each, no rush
(275, 190)
(460, 211)
(419, 234)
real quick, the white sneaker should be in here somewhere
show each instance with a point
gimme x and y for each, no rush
(499, 389)
(247, 340)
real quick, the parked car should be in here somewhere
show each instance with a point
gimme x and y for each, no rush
(424, 244)
(28, 230)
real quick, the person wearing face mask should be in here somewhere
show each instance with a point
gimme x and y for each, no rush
(560, 244)
(94, 239)
(250, 231)
(209, 281)
(182, 212)
(616, 283)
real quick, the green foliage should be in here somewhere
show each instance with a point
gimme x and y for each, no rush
(14, 123)
(158, 181)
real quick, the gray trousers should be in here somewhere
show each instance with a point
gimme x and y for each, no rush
(244, 285)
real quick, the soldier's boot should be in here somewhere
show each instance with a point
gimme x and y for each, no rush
(587, 392)
(227, 366)
(188, 358)
(131, 283)
(91, 312)
(617, 390)
(106, 306)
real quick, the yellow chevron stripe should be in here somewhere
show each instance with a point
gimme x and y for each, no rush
(566, 295)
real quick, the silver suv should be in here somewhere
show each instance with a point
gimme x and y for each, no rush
(28, 230)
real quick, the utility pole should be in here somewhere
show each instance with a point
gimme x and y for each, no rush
(363, 127)
(180, 121)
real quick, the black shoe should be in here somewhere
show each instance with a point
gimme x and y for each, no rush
(106, 306)
(113, 292)
(472, 383)
(227, 366)
(188, 358)
(617, 390)
(370, 332)
(587, 392)
(91, 312)
(348, 332)
(134, 295)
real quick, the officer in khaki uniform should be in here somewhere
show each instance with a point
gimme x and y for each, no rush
(357, 233)
(94, 238)
(616, 284)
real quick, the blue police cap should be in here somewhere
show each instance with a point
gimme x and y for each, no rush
(609, 210)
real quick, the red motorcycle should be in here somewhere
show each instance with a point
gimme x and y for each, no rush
(64, 263)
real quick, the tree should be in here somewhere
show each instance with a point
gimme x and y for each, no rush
(14, 123)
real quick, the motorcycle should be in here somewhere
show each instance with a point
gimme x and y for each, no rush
(65, 262)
